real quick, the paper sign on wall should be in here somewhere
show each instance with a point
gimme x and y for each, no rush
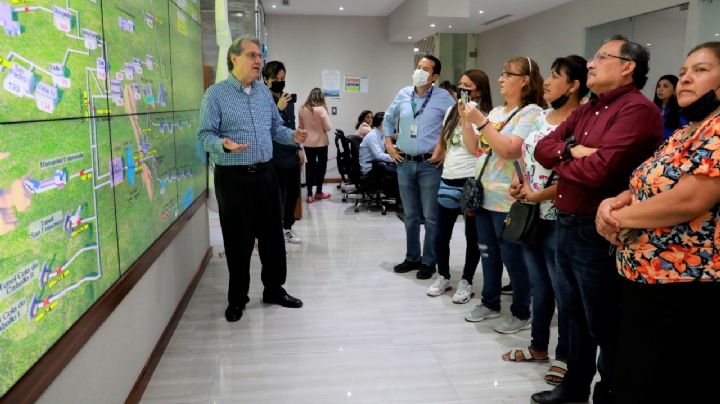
(331, 83)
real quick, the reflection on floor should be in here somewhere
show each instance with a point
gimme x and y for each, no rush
(365, 335)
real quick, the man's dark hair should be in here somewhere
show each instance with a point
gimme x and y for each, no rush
(638, 54)
(272, 69)
(378, 119)
(236, 48)
(437, 67)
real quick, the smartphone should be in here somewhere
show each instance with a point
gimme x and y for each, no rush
(518, 171)
(465, 97)
(293, 98)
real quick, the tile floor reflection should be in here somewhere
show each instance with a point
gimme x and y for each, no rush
(365, 334)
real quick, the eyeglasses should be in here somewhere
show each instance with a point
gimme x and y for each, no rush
(253, 55)
(506, 75)
(603, 56)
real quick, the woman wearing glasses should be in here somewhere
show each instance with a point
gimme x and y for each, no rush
(458, 166)
(666, 227)
(501, 135)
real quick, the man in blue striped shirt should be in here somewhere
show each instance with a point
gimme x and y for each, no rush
(238, 123)
(419, 111)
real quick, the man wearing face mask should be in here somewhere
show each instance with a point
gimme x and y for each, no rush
(419, 111)
(287, 159)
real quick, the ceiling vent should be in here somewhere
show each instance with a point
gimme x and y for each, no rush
(285, 2)
(502, 17)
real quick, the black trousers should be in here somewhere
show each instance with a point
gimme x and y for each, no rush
(289, 179)
(668, 341)
(446, 222)
(315, 168)
(249, 207)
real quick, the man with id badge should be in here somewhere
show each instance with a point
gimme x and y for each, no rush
(419, 111)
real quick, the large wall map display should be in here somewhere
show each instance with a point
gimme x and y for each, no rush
(99, 110)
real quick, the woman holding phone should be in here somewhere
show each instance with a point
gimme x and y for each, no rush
(498, 141)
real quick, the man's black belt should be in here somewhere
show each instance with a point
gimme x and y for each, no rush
(249, 169)
(569, 219)
(416, 157)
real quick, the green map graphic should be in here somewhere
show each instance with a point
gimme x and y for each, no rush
(98, 154)
(57, 233)
(50, 52)
(138, 54)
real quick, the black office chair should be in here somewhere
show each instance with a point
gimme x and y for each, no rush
(343, 160)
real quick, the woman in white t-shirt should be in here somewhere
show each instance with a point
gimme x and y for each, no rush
(564, 87)
(458, 166)
(501, 135)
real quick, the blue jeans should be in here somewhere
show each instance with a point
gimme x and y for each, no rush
(542, 270)
(494, 252)
(419, 182)
(588, 286)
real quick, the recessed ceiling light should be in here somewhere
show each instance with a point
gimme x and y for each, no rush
(449, 26)
(409, 37)
(416, 49)
(237, 14)
(432, 25)
(717, 34)
(481, 12)
(274, 6)
(648, 44)
(341, 8)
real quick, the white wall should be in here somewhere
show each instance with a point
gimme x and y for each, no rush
(353, 45)
(557, 32)
(105, 369)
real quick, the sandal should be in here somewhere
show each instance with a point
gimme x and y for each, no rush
(526, 356)
(555, 377)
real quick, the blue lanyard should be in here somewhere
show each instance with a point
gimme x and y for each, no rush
(422, 108)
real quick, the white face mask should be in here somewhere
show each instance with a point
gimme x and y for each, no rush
(420, 77)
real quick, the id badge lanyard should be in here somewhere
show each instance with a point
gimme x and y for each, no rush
(418, 112)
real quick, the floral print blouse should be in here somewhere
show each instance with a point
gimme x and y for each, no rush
(688, 251)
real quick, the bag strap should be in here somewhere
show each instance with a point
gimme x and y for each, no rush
(485, 163)
(549, 180)
(482, 170)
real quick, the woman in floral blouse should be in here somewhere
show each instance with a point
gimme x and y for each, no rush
(666, 231)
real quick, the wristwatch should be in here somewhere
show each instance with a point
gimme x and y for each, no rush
(567, 154)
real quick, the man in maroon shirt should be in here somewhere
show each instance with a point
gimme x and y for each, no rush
(593, 153)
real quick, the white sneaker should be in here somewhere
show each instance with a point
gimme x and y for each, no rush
(480, 313)
(440, 286)
(291, 237)
(512, 325)
(463, 293)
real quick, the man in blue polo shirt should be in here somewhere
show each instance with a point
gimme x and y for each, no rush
(419, 110)
(238, 123)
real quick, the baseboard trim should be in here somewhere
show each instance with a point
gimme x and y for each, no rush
(144, 378)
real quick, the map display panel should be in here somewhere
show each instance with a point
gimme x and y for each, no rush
(57, 233)
(51, 60)
(191, 159)
(146, 198)
(187, 66)
(138, 56)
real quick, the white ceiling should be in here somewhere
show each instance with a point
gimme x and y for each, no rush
(372, 8)
(419, 27)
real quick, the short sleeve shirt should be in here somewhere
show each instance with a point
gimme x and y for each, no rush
(537, 174)
(688, 251)
(498, 173)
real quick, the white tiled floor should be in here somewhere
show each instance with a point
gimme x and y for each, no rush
(365, 334)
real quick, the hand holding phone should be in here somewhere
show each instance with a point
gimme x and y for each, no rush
(464, 96)
(293, 98)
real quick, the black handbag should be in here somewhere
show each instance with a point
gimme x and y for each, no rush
(521, 223)
(471, 199)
